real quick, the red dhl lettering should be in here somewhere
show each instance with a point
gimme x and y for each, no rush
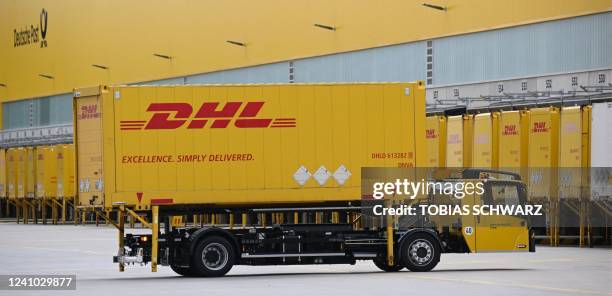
(510, 130)
(89, 112)
(430, 134)
(176, 115)
(539, 127)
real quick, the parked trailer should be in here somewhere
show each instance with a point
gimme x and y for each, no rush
(485, 140)
(21, 172)
(30, 172)
(66, 178)
(46, 181)
(4, 204)
(570, 153)
(601, 158)
(513, 140)
(600, 190)
(454, 142)
(11, 173)
(248, 153)
(3, 171)
(468, 140)
(435, 138)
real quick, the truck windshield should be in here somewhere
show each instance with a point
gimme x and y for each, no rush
(505, 194)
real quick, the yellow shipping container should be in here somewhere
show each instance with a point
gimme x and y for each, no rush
(30, 188)
(46, 172)
(3, 177)
(66, 171)
(485, 140)
(454, 141)
(570, 152)
(511, 154)
(243, 144)
(21, 172)
(513, 140)
(435, 137)
(468, 139)
(11, 172)
(543, 152)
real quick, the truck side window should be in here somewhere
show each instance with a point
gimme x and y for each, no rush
(505, 194)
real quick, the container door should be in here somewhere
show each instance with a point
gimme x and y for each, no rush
(3, 170)
(601, 158)
(482, 148)
(432, 138)
(570, 153)
(454, 142)
(90, 181)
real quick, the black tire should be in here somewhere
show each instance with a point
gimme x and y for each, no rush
(213, 256)
(420, 252)
(381, 263)
(184, 271)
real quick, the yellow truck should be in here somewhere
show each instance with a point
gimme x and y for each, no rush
(271, 175)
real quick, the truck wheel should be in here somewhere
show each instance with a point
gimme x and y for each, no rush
(213, 256)
(184, 271)
(382, 265)
(420, 252)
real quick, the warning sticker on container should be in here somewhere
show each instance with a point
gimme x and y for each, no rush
(341, 175)
(302, 175)
(322, 175)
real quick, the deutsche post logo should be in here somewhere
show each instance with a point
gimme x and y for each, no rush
(44, 16)
(175, 115)
(32, 33)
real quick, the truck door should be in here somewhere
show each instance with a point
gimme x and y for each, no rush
(499, 233)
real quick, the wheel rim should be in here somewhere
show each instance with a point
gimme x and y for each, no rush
(214, 256)
(421, 252)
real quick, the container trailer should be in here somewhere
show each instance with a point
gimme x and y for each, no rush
(21, 170)
(3, 171)
(485, 140)
(454, 141)
(435, 138)
(274, 169)
(601, 158)
(11, 173)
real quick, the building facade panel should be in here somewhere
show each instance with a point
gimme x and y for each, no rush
(569, 45)
(405, 62)
(270, 73)
(45, 111)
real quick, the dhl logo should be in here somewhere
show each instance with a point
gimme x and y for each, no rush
(89, 112)
(539, 127)
(175, 115)
(430, 134)
(510, 130)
